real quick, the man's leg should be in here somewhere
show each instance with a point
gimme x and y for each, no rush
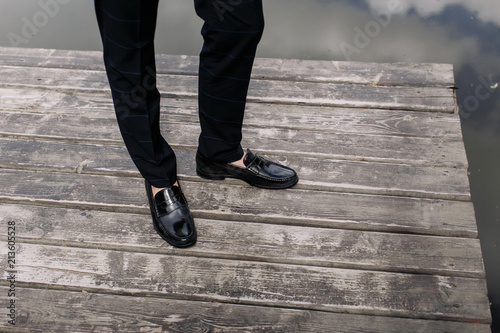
(127, 29)
(231, 32)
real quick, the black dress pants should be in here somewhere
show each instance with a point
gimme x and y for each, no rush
(231, 32)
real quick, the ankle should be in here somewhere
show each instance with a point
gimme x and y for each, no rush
(239, 162)
(155, 190)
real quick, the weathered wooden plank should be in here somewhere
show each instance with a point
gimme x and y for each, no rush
(314, 173)
(346, 120)
(409, 74)
(287, 213)
(446, 152)
(244, 282)
(48, 311)
(450, 256)
(218, 200)
(289, 92)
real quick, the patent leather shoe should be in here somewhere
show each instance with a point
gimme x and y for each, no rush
(172, 219)
(258, 171)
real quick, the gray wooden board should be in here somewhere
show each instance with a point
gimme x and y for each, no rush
(315, 173)
(354, 249)
(435, 99)
(250, 282)
(219, 200)
(337, 257)
(44, 311)
(447, 152)
(334, 119)
(410, 74)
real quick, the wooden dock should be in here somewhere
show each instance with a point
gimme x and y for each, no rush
(379, 235)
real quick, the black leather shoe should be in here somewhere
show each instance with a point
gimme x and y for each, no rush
(259, 172)
(171, 217)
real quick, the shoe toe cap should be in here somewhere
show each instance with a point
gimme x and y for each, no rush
(278, 171)
(178, 224)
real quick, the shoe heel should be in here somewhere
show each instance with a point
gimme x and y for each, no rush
(210, 176)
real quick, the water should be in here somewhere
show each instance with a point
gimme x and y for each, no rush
(464, 33)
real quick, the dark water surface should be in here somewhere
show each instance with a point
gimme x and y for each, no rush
(464, 33)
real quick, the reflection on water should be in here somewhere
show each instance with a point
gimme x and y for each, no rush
(465, 33)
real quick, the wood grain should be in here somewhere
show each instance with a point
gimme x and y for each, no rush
(217, 200)
(445, 152)
(244, 282)
(435, 99)
(315, 173)
(409, 74)
(354, 249)
(78, 311)
(185, 110)
(379, 235)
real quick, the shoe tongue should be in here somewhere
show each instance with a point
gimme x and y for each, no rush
(249, 157)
